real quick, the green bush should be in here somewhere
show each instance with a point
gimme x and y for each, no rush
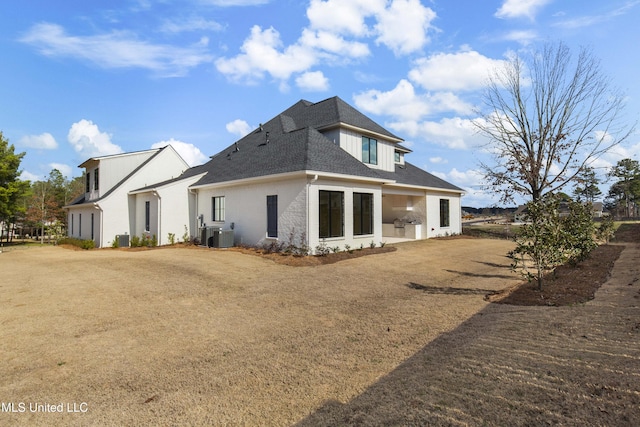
(84, 244)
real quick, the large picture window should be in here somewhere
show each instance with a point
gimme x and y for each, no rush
(272, 216)
(331, 214)
(217, 208)
(444, 213)
(369, 150)
(362, 214)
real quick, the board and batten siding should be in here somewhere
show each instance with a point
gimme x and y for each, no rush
(351, 142)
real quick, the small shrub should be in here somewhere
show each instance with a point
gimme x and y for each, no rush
(372, 244)
(115, 243)
(382, 244)
(185, 237)
(172, 238)
(84, 244)
(153, 242)
(335, 249)
(88, 244)
(322, 249)
(348, 249)
(135, 242)
(361, 246)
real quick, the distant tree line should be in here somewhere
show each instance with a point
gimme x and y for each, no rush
(34, 208)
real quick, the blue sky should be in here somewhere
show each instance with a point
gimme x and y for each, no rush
(82, 79)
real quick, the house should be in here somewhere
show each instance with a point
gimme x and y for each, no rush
(108, 208)
(317, 173)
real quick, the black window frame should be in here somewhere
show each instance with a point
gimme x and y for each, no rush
(362, 214)
(330, 214)
(96, 179)
(272, 216)
(87, 182)
(445, 213)
(370, 154)
(218, 207)
(147, 216)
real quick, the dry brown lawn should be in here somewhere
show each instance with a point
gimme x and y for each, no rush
(188, 336)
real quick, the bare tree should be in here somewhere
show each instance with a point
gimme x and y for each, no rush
(548, 116)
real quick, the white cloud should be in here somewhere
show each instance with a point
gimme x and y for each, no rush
(524, 37)
(335, 35)
(189, 152)
(230, 3)
(343, 16)
(313, 82)
(403, 102)
(194, 23)
(44, 141)
(467, 70)
(455, 133)
(438, 160)
(404, 25)
(28, 176)
(87, 140)
(333, 44)
(520, 8)
(238, 127)
(65, 170)
(262, 53)
(117, 49)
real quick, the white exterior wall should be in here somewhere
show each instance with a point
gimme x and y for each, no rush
(115, 169)
(348, 189)
(246, 209)
(118, 211)
(82, 223)
(172, 208)
(433, 214)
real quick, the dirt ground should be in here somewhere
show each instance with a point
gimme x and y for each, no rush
(185, 336)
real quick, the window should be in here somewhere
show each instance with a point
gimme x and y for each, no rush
(444, 213)
(397, 156)
(91, 226)
(217, 208)
(362, 214)
(87, 182)
(72, 224)
(96, 180)
(272, 216)
(147, 216)
(80, 225)
(369, 150)
(331, 214)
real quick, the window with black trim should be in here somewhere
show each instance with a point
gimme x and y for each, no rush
(217, 208)
(272, 216)
(444, 213)
(147, 216)
(369, 150)
(362, 214)
(96, 180)
(331, 214)
(87, 182)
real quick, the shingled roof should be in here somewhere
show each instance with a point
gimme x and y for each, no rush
(292, 142)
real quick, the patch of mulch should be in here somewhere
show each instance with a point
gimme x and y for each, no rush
(572, 285)
(306, 261)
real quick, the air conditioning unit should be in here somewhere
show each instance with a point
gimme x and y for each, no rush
(206, 233)
(123, 240)
(220, 239)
